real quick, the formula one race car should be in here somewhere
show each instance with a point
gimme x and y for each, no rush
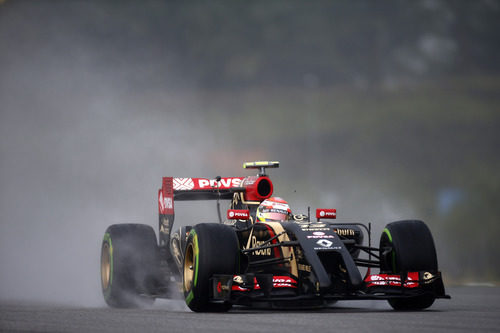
(255, 258)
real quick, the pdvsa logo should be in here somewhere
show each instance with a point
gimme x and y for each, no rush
(168, 203)
(165, 203)
(223, 183)
(326, 213)
(240, 214)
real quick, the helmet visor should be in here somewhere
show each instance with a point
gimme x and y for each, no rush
(274, 215)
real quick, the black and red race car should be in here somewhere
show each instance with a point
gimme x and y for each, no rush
(298, 262)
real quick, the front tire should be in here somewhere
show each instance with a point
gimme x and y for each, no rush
(210, 249)
(130, 262)
(408, 246)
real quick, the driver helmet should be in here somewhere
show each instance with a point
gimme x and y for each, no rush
(273, 209)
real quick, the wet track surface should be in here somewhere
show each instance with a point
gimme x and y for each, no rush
(470, 309)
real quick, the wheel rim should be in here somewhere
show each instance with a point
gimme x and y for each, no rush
(105, 266)
(188, 267)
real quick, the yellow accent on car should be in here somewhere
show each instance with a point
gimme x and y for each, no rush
(260, 164)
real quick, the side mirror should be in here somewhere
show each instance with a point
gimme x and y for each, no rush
(326, 213)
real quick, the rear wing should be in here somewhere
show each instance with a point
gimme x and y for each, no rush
(203, 188)
(251, 189)
(254, 188)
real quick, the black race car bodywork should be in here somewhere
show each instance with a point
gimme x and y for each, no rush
(300, 262)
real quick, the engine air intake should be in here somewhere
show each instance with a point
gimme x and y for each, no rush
(257, 188)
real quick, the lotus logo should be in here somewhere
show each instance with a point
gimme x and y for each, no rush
(324, 243)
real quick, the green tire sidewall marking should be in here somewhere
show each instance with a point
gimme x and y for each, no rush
(196, 258)
(196, 252)
(107, 239)
(388, 233)
(189, 297)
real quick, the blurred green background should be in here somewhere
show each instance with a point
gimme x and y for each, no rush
(383, 109)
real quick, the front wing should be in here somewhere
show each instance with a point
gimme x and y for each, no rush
(255, 288)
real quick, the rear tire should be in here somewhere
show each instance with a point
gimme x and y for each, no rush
(408, 246)
(210, 249)
(130, 263)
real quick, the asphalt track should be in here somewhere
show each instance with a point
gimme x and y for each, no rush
(471, 309)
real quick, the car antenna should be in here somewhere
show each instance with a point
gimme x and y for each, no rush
(217, 179)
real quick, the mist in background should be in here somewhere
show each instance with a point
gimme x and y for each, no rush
(384, 111)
